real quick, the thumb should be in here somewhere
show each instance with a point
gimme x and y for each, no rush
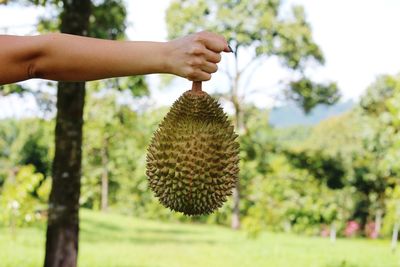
(228, 49)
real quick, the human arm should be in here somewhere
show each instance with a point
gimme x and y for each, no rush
(64, 57)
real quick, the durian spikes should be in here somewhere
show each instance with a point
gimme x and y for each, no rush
(192, 161)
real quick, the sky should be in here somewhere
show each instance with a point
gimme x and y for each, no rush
(359, 39)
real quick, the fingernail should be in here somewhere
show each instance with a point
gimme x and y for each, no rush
(230, 48)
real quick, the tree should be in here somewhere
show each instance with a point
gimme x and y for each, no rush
(109, 140)
(63, 218)
(376, 168)
(255, 27)
(104, 126)
(102, 19)
(107, 20)
(8, 134)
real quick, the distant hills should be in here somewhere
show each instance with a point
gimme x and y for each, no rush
(292, 115)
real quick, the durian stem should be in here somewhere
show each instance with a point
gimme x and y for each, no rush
(196, 87)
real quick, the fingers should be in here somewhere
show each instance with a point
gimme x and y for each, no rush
(209, 67)
(195, 57)
(199, 76)
(200, 51)
(200, 70)
(204, 56)
(212, 41)
(212, 56)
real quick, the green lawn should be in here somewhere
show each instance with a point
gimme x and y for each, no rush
(117, 241)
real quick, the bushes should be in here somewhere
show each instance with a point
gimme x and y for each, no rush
(19, 205)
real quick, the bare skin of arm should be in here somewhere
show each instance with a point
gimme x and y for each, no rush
(63, 57)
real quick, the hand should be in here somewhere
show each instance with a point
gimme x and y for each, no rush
(195, 56)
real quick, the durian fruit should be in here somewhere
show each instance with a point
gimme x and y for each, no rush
(192, 161)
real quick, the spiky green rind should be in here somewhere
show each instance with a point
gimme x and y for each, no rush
(192, 161)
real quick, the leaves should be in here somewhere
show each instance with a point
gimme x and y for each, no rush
(108, 20)
(259, 29)
(248, 24)
(384, 88)
(310, 94)
(14, 88)
(19, 206)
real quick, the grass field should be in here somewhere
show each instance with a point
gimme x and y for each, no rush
(109, 240)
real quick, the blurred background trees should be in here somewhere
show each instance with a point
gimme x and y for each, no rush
(341, 170)
(338, 177)
(257, 30)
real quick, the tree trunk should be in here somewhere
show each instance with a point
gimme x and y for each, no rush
(14, 209)
(235, 224)
(236, 211)
(63, 219)
(378, 222)
(332, 233)
(395, 236)
(104, 178)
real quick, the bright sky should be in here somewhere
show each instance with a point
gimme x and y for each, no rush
(359, 39)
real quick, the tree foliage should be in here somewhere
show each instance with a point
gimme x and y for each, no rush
(309, 94)
(19, 205)
(261, 29)
(298, 180)
(301, 180)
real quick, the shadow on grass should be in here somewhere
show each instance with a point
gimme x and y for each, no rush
(102, 225)
(99, 231)
(342, 264)
(168, 231)
(99, 236)
(176, 241)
